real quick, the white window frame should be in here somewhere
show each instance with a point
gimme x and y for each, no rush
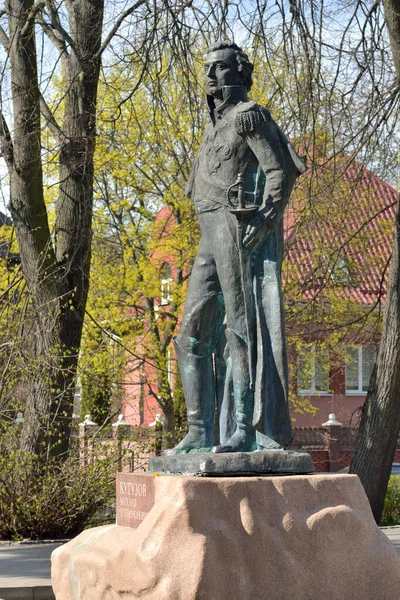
(312, 391)
(359, 391)
(165, 291)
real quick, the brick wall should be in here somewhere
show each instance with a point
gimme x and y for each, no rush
(345, 459)
(320, 460)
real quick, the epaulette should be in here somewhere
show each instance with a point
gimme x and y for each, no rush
(251, 116)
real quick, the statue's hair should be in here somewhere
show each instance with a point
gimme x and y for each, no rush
(244, 65)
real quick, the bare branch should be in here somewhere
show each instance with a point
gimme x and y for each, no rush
(63, 35)
(6, 141)
(117, 25)
(4, 40)
(30, 18)
(58, 42)
(126, 14)
(50, 120)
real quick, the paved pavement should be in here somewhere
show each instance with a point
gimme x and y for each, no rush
(393, 534)
(25, 569)
(25, 572)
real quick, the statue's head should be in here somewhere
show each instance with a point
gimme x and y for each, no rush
(226, 64)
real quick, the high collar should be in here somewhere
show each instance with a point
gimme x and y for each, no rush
(231, 95)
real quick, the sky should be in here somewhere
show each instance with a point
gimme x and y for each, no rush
(48, 58)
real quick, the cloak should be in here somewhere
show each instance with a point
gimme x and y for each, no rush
(250, 142)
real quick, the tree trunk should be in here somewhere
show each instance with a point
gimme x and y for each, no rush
(380, 422)
(29, 212)
(58, 279)
(168, 423)
(392, 20)
(74, 208)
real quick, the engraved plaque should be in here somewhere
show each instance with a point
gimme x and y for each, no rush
(135, 498)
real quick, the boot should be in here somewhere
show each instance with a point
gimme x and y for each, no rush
(198, 387)
(244, 438)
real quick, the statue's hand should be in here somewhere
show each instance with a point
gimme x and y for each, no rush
(257, 231)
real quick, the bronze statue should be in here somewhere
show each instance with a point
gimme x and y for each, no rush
(240, 184)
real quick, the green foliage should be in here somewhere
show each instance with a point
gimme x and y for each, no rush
(44, 498)
(391, 509)
(96, 396)
(142, 164)
(54, 500)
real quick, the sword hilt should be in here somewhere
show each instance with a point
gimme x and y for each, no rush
(241, 210)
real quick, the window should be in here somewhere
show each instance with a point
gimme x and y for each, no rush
(360, 362)
(339, 272)
(166, 281)
(313, 369)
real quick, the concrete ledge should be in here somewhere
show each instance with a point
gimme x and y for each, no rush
(39, 592)
(233, 464)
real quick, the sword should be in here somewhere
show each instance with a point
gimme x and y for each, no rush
(242, 212)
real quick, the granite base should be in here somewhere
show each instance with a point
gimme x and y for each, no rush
(305, 537)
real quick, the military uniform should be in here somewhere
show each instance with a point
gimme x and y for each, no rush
(241, 137)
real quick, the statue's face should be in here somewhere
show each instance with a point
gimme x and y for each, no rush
(221, 69)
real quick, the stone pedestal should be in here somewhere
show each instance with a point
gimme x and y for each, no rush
(306, 537)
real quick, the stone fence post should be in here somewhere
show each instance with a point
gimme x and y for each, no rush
(119, 434)
(332, 443)
(85, 432)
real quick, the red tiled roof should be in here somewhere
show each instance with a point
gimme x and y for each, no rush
(346, 221)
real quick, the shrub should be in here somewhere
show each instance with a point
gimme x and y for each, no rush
(391, 509)
(51, 500)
